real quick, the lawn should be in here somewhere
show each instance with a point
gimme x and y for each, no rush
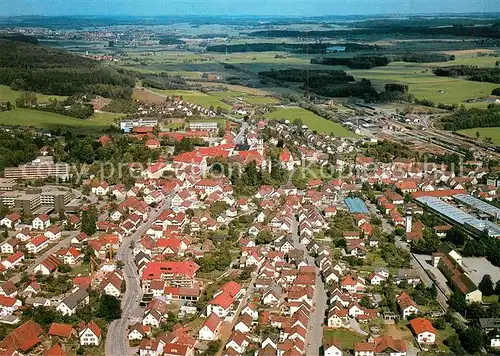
(313, 121)
(492, 132)
(425, 85)
(346, 337)
(196, 97)
(52, 121)
(7, 94)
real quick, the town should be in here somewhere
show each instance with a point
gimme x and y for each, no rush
(256, 238)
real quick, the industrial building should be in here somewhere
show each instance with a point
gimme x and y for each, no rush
(454, 214)
(478, 205)
(204, 126)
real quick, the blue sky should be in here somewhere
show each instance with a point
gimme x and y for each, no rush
(242, 7)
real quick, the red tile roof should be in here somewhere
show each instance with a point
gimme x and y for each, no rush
(212, 322)
(62, 330)
(421, 325)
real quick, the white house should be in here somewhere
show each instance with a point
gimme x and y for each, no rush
(41, 222)
(37, 244)
(424, 331)
(210, 328)
(90, 334)
(78, 298)
(333, 348)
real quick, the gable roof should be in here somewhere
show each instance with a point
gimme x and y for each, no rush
(62, 330)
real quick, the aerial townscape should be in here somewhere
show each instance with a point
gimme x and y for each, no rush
(249, 185)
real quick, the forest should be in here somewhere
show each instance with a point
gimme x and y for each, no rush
(477, 74)
(311, 48)
(466, 119)
(29, 67)
(368, 62)
(358, 62)
(489, 31)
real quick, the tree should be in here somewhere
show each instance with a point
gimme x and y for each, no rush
(440, 324)
(108, 308)
(26, 99)
(213, 347)
(497, 288)
(89, 220)
(472, 340)
(486, 285)
(456, 236)
(264, 237)
(457, 302)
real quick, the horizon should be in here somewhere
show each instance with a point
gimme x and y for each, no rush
(249, 8)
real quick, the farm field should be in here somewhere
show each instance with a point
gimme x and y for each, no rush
(51, 121)
(492, 132)
(7, 94)
(313, 121)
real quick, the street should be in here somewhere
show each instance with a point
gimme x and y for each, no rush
(116, 339)
(314, 335)
(60, 244)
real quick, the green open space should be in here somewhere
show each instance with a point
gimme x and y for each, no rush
(484, 132)
(347, 337)
(99, 122)
(313, 121)
(7, 94)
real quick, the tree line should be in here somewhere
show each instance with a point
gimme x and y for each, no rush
(477, 74)
(311, 48)
(474, 117)
(368, 62)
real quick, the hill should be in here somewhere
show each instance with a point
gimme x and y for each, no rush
(31, 67)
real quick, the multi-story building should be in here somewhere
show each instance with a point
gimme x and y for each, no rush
(204, 126)
(40, 167)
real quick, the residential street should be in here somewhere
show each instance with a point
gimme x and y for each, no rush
(116, 340)
(65, 242)
(314, 336)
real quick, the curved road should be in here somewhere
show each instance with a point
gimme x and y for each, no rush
(116, 339)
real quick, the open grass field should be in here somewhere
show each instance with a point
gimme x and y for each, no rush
(492, 132)
(197, 97)
(7, 94)
(51, 121)
(313, 121)
(347, 337)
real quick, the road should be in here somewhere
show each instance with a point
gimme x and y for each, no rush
(116, 339)
(415, 263)
(61, 244)
(314, 335)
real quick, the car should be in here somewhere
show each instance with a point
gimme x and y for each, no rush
(310, 328)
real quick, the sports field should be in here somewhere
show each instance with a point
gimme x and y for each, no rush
(7, 94)
(313, 121)
(51, 121)
(484, 132)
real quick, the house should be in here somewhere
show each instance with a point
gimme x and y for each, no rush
(22, 339)
(152, 318)
(101, 188)
(11, 221)
(56, 350)
(406, 305)
(53, 233)
(8, 289)
(333, 348)
(77, 298)
(384, 345)
(13, 260)
(41, 222)
(423, 330)
(223, 299)
(150, 347)
(364, 349)
(90, 334)
(238, 342)
(138, 331)
(111, 284)
(210, 328)
(38, 244)
(8, 305)
(48, 265)
(61, 330)
(69, 256)
(244, 324)
(9, 247)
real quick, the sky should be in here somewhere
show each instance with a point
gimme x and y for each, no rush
(242, 7)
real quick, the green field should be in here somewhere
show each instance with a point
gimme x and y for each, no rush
(491, 132)
(313, 121)
(7, 94)
(51, 121)
(196, 97)
(346, 337)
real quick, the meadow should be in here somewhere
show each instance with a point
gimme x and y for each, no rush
(99, 122)
(7, 94)
(484, 132)
(313, 121)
